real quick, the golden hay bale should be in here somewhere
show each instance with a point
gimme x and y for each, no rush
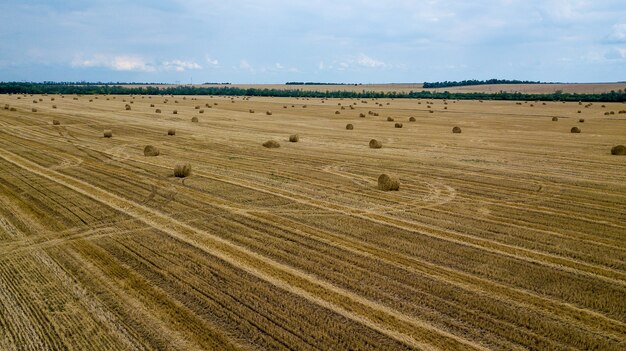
(54, 106)
(612, 113)
(618, 150)
(456, 130)
(294, 138)
(579, 111)
(150, 150)
(398, 125)
(55, 122)
(269, 113)
(375, 144)
(6, 106)
(388, 183)
(337, 112)
(175, 112)
(171, 131)
(201, 111)
(284, 106)
(575, 130)
(375, 113)
(108, 133)
(151, 105)
(34, 109)
(361, 114)
(582, 120)
(349, 126)
(158, 110)
(127, 107)
(431, 111)
(389, 119)
(251, 110)
(194, 119)
(34, 101)
(271, 144)
(412, 119)
(555, 119)
(182, 170)
(12, 109)
(197, 107)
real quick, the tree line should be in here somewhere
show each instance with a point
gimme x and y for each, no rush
(446, 84)
(89, 89)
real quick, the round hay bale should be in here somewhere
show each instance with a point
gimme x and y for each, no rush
(150, 150)
(294, 138)
(271, 144)
(361, 114)
(398, 125)
(618, 150)
(55, 122)
(349, 126)
(555, 119)
(412, 119)
(337, 112)
(6, 106)
(158, 110)
(388, 183)
(389, 119)
(182, 170)
(269, 113)
(575, 130)
(12, 109)
(251, 111)
(582, 120)
(108, 133)
(456, 130)
(127, 107)
(194, 119)
(34, 109)
(151, 105)
(201, 111)
(171, 131)
(375, 144)
(175, 112)
(197, 107)
(54, 106)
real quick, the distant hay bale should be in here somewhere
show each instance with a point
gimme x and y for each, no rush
(582, 120)
(127, 107)
(398, 125)
(12, 109)
(361, 114)
(375, 144)
(271, 144)
(431, 111)
(56, 122)
(108, 133)
(618, 150)
(269, 113)
(150, 150)
(175, 112)
(555, 119)
(456, 130)
(194, 119)
(343, 108)
(607, 113)
(612, 113)
(171, 131)
(294, 138)
(54, 106)
(376, 114)
(575, 130)
(251, 110)
(349, 126)
(303, 106)
(34, 109)
(370, 113)
(197, 107)
(182, 170)
(390, 119)
(621, 112)
(337, 112)
(388, 183)
(6, 106)
(158, 110)
(579, 111)
(412, 119)
(284, 106)
(151, 105)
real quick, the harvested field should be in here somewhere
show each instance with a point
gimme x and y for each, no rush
(511, 235)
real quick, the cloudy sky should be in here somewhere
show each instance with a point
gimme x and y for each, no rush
(274, 41)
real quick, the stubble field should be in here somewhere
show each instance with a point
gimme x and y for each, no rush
(510, 235)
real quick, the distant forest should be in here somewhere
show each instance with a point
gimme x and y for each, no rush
(92, 88)
(446, 84)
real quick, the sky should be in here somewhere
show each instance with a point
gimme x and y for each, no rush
(344, 41)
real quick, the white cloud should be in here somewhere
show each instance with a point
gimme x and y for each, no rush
(244, 65)
(616, 54)
(618, 34)
(116, 63)
(211, 61)
(366, 61)
(180, 66)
